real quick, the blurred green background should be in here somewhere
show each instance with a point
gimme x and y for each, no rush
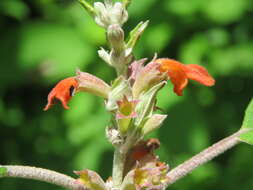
(44, 41)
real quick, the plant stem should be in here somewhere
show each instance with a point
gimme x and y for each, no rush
(118, 168)
(41, 174)
(203, 157)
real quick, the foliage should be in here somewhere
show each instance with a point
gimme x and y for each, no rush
(45, 41)
(248, 125)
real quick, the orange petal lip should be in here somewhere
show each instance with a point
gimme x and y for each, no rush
(180, 73)
(62, 91)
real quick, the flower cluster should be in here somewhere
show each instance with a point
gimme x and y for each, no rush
(130, 98)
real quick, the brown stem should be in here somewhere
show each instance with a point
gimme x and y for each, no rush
(43, 175)
(203, 157)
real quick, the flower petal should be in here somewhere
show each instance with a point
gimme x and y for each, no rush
(179, 79)
(176, 72)
(199, 74)
(63, 91)
(180, 73)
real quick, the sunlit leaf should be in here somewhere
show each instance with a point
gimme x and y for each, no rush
(247, 137)
(248, 124)
(248, 118)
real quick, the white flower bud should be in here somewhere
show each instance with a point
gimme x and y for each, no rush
(108, 14)
(115, 36)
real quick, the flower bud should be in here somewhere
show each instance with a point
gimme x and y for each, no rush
(115, 36)
(107, 14)
(126, 111)
(120, 88)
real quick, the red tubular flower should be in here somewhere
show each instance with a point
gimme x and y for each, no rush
(180, 73)
(63, 91)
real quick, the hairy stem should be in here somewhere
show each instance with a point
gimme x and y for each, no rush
(41, 174)
(118, 168)
(203, 157)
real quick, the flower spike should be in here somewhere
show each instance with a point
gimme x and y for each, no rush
(180, 73)
(63, 91)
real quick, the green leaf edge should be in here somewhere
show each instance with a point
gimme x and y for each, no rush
(247, 125)
(136, 33)
(248, 118)
(247, 137)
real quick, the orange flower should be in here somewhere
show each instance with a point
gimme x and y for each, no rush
(63, 91)
(180, 73)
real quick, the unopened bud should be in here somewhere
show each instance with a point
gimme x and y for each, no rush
(115, 36)
(120, 88)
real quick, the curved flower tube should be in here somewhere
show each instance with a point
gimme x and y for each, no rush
(180, 73)
(63, 91)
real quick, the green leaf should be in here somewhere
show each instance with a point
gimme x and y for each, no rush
(248, 118)
(248, 124)
(136, 33)
(247, 137)
(3, 171)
